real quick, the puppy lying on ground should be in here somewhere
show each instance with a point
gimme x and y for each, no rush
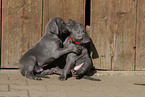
(79, 65)
(46, 50)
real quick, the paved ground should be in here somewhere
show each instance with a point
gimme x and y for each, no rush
(112, 84)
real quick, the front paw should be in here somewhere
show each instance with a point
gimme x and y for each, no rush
(77, 49)
(37, 78)
(62, 78)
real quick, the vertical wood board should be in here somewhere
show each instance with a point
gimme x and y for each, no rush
(99, 34)
(123, 27)
(65, 9)
(140, 36)
(45, 14)
(21, 29)
(75, 10)
(113, 25)
(0, 29)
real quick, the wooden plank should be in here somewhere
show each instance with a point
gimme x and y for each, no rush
(0, 30)
(123, 27)
(74, 9)
(21, 29)
(99, 34)
(113, 24)
(140, 36)
(55, 8)
(45, 14)
(51, 8)
(65, 9)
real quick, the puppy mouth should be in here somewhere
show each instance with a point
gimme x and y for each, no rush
(79, 38)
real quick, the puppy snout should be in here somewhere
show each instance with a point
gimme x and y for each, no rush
(79, 37)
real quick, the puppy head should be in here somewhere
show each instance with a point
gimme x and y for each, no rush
(78, 32)
(61, 26)
(56, 26)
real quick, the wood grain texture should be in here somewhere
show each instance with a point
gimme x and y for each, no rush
(75, 10)
(65, 9)
(55, 8)
(45, 13)
(116, 29)
(21, 29)
(123, 28)
(99, 34)
(140, 36)
(22, 24)
(0, 29)
(113, 25)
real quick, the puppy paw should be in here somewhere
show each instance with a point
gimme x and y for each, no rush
(34, 77)
(37, 78)
(62, 78)
(77, 49)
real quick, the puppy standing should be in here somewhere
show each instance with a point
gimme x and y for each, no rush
(46, 50)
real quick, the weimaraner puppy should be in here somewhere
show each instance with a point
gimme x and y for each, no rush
(46, 50)
(79, 65)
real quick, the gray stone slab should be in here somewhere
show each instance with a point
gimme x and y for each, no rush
(112, 84)
(4, 88)
(14, 94)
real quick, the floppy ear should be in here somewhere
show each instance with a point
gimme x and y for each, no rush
(71, 22)
(70, 25)
(86, 38)
(52, 28)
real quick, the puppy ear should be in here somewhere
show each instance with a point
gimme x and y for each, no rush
(71, 22)
(86, 37)
(52, 28)
(55, 28)
(70, 25)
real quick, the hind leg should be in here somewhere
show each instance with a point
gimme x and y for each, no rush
(55, 70)
(84, 68)
(29, 64)
(32, 76)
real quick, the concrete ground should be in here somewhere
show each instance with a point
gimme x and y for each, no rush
(112, 84)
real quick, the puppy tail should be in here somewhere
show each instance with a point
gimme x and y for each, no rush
(42, 76)
(90, 78)
(143, 84)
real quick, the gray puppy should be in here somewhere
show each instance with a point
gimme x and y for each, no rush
(78, 64)
(46, 50)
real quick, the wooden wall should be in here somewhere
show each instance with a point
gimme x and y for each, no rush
(140, 36)
(24, 23)
(21, 28)
(65, 9)
(116, 29)
(113, 28)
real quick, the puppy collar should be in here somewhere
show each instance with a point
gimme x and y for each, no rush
(74, 41)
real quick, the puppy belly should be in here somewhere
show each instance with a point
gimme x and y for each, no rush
(78, 66)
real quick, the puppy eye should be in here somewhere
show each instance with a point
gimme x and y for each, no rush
(83, 31)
